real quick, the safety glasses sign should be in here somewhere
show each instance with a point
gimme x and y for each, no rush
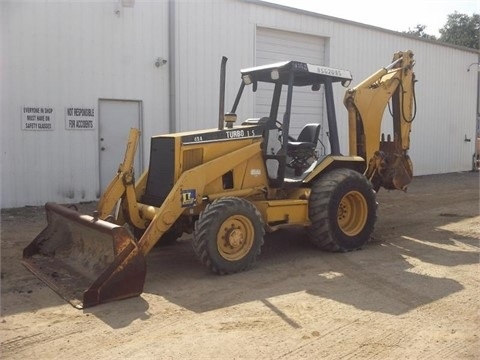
(38, 118)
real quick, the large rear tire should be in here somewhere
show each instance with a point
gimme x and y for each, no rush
(342, 211)
(228, 235)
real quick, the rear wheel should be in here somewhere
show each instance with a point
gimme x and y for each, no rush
(342, 211)
(228, 235)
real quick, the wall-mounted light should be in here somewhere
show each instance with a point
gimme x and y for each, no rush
(160, 62)
(478, 66)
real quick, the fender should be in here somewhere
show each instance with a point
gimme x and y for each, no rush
(331, 162)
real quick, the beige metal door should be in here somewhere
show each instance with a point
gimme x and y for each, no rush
(116, 117)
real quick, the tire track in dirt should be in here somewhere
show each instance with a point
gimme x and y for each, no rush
(13, 347)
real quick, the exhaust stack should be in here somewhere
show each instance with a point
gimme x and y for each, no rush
(221, 110)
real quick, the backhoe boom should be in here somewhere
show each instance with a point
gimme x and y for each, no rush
(388, 163)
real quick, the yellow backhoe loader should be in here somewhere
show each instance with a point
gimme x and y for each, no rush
(231, 184)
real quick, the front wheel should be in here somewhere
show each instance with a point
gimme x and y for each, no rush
(342, 211)
(228, 235)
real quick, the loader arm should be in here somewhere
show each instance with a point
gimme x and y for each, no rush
(122, 180)
(197, 178)
(89, 261)
(388, 163)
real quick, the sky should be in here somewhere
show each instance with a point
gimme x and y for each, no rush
(394, 15)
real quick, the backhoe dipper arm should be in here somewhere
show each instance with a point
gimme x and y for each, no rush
(388, 163)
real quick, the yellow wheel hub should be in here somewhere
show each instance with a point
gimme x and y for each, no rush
(235, 237)
(352, 213)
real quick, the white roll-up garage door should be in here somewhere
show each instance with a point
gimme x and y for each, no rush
(276, 45)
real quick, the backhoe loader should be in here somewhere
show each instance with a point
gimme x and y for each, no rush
(231, 184)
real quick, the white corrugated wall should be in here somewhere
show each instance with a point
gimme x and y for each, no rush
(204, 32)
(60, 54)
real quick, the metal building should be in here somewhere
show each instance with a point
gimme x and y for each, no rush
(77, 75)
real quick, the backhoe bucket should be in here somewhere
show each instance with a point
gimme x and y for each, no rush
(85, 260)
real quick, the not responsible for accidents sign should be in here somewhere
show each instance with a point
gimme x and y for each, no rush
(38, 118)
(80, 118)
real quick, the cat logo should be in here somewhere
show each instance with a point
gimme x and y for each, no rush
(189, 197)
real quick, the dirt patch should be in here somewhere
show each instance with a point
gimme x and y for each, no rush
(411, 293)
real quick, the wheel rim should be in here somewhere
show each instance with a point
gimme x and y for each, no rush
(352, 213)
(235, 237)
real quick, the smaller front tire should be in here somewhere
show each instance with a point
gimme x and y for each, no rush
(228, 235)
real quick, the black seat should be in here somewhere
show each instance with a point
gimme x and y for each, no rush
(303, 149)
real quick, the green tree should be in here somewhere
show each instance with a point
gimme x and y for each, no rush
(462, 30)
(419, 31)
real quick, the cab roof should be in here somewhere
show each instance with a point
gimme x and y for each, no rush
(304, 74)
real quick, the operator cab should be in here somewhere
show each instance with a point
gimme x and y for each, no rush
(290, 159)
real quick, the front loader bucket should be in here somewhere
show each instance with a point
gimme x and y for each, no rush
(85, 260)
